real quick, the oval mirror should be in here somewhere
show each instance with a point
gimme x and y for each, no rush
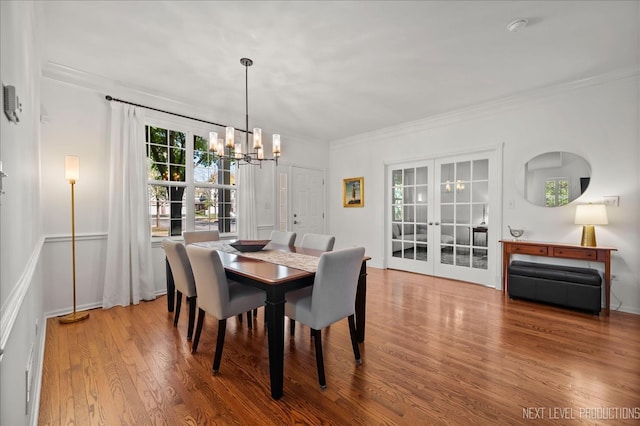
(554, 179)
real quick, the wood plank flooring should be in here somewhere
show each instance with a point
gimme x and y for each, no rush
(436, 352)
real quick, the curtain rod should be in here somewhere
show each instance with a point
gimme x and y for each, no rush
(111, 98)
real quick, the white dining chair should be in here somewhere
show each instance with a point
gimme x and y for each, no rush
(191, 237)
(318, 241)
(218, 296)
(331, 298)
(283, 238)
(183, 279)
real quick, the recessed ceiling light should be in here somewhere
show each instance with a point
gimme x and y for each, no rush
(517, 25)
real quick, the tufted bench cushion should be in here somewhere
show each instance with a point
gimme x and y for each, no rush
(578, 288)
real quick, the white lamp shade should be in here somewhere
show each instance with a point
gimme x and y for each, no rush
(276, 145)
(213, 141)
(71, 167)
(229, 133)
(591, 214)
(220, 148)
(257, 138)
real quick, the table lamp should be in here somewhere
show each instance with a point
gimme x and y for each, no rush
(589, 215)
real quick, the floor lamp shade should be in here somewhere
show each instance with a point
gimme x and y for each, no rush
(589, 215)
(72, 173)
(71, 167)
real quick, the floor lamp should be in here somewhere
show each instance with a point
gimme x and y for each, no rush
(72, 174)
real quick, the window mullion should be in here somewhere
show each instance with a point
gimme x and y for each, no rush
(190, 191)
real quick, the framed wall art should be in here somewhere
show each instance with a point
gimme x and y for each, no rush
(353, 192)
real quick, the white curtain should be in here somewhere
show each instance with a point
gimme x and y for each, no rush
(247, 208)
(129, 274)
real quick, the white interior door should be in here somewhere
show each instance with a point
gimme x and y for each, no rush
(439, 222)
(307, 201)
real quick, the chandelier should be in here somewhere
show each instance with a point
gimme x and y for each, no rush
(255, 156)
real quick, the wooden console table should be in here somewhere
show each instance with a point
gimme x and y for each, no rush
(566, 251)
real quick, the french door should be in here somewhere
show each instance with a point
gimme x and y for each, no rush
(439, 217)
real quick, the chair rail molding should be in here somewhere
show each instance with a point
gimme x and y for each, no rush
(13, 304)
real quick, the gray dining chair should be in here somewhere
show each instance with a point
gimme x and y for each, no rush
(183, 279)
(318, 241)
(331, 298)
(218, 296)
(283, 238)
(191, 237)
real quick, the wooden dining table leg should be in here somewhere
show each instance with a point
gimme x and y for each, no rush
(274, 309)
(361, 302)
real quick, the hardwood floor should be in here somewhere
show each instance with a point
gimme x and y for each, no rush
(436, 352)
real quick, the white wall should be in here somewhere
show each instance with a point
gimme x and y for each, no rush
(78, 125)
(20, 223)
(597, 119)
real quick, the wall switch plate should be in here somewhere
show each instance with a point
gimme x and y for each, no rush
(612, 200)
(12, 105)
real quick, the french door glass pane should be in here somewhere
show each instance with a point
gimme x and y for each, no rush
(421, 214)
(422, 176)
(481, 170)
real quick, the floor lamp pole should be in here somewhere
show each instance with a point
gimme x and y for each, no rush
(75, 316)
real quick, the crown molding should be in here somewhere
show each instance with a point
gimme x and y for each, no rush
(487, 108)
(117, 89)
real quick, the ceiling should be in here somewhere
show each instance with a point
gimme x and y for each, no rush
(328, 70)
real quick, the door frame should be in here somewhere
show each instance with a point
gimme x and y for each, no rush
(496, 216)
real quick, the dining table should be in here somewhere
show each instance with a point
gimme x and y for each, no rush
(277, 270)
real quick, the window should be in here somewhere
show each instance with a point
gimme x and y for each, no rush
(556, 192)
(189, 188)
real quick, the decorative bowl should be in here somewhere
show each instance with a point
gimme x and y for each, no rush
(516, 233)
(249, 245)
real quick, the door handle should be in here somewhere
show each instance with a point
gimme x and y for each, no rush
(437, 223)
(295, 222)
(430, 223)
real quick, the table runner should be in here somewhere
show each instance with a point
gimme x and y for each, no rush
(301, 261)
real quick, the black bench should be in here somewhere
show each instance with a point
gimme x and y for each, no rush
(577, 288)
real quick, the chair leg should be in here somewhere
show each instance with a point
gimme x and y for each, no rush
(255, 312)
(222, 328)
(196, 339)
(292, 327)
(319, 359)
(249, 320)
(240, 318)
(192, 316)
(178, 306)
(354, 339)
